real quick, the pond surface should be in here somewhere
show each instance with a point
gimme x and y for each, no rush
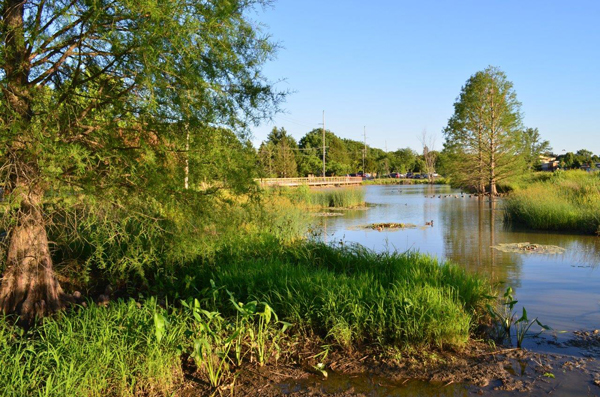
(562, 290)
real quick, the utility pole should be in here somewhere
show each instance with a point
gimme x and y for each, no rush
(323, 144)
(364, 149)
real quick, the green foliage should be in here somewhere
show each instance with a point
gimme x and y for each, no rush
(576, 160)
(483, 135)
(278, 154)
(342, 156)
(565, 201)
(505, 318)
(351, 295)
(532, 147)
(93, 351)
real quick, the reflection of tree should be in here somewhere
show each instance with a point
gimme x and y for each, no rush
(470, 228)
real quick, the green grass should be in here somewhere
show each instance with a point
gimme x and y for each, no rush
(90, 352)
(132, 349)
(304, 196)
(348, 296)
(345, 295)
(351, 295)
(566, 201)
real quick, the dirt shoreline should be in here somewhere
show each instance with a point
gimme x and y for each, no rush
(479, 368)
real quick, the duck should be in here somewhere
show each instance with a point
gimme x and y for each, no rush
(429, 223)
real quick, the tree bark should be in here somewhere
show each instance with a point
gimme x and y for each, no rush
(29, 287)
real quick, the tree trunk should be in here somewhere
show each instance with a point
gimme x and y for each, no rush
(29, 287)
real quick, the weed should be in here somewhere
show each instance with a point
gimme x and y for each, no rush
(506, 318)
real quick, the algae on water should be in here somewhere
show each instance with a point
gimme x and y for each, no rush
(529, 248)
(387, 226)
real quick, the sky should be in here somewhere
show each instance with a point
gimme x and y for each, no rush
(395, 68)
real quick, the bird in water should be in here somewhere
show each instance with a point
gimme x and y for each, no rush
(429, 223)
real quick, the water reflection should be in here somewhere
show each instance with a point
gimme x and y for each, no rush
(470, 230)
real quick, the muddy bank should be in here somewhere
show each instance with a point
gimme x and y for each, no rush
(476, 370)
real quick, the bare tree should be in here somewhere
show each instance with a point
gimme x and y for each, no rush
(429, 153)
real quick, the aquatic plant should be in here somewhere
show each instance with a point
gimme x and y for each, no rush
(304, 196)
(505, 317)
(567, 201)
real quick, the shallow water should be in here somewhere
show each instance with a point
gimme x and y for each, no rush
(562, 290)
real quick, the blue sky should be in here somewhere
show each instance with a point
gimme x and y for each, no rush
(396, 67)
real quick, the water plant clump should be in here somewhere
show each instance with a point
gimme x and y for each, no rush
(528, 248)
(389, 225)
(351, 295)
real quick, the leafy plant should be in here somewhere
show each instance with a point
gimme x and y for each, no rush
(261, 337)
(505, 318)
(523, 324)
(211, 345)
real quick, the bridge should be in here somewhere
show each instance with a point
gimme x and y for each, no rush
(311, 181)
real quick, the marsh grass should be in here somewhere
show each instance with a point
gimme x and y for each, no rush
(351, 295)
(567, 201)
(90, 352)
(132, 349)
(243, 285)
(313, 198)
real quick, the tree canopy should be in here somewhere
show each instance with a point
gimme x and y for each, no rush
(102, 97)
(483, 135)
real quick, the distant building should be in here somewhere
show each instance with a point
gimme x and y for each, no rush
(549, 163)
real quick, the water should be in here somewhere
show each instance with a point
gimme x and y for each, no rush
(562, 290)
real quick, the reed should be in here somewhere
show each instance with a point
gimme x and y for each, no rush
(568, 201)
(303, 196)
(351, 295)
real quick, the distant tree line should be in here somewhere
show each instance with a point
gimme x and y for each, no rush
(581, 158)
(280, 156)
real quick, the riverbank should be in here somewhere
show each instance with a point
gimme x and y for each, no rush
(565, 201)
(245, 308)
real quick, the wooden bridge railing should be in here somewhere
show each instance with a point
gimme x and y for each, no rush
(310, 181)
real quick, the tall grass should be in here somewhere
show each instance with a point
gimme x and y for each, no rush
(303, 196)
(567, 201)
(351, 295)
(90, 352)
(238, 250)
(132, 349)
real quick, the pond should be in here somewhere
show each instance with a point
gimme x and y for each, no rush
(561, 289)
